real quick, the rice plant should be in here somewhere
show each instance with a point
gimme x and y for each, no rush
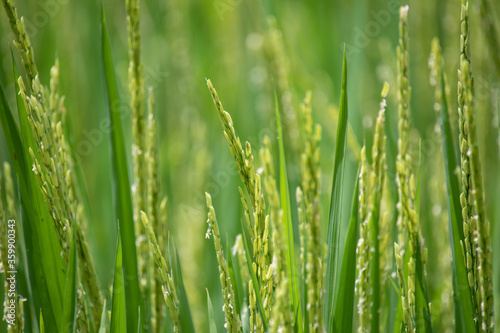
(282, 250)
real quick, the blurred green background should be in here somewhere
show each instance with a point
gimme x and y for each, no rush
(228, 41)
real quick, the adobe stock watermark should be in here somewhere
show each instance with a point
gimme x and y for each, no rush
(94, 137)
(48, 10)
(223, 6)
(10, 272)
(372, 29)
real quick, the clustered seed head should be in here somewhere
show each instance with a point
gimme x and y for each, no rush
(282, 316)
(168, 288)
(51, 162)
(233, 322)
(477, 249)
(257, 219)
(408, 220)
(364, 244)
(312, 250)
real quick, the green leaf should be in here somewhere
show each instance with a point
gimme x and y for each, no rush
(118, 305)
(186, 319)
(211, 320)
(42, 325)
(287, 222)
(334, 221)
(104, 327)
(422, 310)
(464, 312)
(344, 307)
(121, 185)
(69, 308)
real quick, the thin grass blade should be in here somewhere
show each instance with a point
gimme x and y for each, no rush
(287, 221)
(344, 307)
(422, 310)
(121, 185)
(118, 306)
(184, 311)
(104, 327)
(334, 221)
(211, 321)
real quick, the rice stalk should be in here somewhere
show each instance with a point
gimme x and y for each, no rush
(256, 219)
(54, 187)
(153, 212)
(137, 95)
(310, 187)
(403, 158)
(22, 41)
(378, 232)
(44, 108)
(282, 317)
(476, 227)
(275, 212)
(364, 243)
(233, 321)
(139, 154)
(408, 219)
(438, 193)
(169, 292)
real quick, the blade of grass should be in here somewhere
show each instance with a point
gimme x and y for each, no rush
(422, 310)
(287, 222)
(186, 319)
(118, 305)
(42, 325)
(104, 327)
(464, 313)
(69, 308)
(334, 221)
(211, 320)
(121, 185)
(344, 306)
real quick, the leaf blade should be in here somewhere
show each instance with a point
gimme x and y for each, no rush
(211, 321)
(287, 221)
(334, 221)
(121, 185)
(344, 313)
(118, 305)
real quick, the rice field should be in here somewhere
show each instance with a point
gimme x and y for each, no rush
(249, 166)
